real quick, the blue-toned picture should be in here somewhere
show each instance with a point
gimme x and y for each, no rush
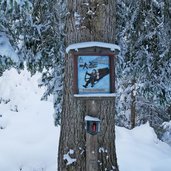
(93, 74)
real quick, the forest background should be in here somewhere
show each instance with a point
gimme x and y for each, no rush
(33, 32)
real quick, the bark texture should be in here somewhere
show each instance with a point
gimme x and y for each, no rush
(87, 20)
(133, 106)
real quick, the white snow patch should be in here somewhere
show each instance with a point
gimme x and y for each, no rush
(77, 46)
(6, 48)
(102, 150)
(167, 125)
(90, 118)
(71, 151)
(90, 12)
(96, 95)
(77, 19)
(68, 158)
(167, 132)
(29, 139)
(162, 165)
(86, 3)
(139, 149)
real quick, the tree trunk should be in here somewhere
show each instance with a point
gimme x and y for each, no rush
(91, 20)
(133, 105)
(167, 21)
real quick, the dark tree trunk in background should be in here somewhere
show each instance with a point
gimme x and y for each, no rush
(91, 20)
(133, 105)
(167, 20)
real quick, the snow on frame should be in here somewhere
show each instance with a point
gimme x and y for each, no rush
(77, 46)
(96, 95)
(90, 118)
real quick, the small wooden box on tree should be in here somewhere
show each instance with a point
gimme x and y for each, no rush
(92, 125)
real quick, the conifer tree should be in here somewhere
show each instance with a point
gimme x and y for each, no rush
(90, 21)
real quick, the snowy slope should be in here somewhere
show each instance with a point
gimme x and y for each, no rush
(29, 140)
(140, 150)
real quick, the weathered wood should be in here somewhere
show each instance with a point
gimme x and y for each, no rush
(91, 153)
(103, 143)
(91, 140)
(97, 23)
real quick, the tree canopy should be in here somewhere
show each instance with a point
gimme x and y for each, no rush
(33, 29)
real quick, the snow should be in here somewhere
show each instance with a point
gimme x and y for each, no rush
(29, 139)
(6, 48)
(90, 118)
(96, 95)
(77, 19)
(167, 134)
(77, 46)
(167, 125)
(68, 158)
(139, 149)
(102, 150)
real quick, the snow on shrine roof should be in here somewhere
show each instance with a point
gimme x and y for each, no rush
(90, 118)
(98, 95)
(77, 46)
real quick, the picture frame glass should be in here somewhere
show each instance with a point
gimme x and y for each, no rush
(93, 74)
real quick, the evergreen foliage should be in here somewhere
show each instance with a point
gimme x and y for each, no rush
(143, 65)
(35, 32)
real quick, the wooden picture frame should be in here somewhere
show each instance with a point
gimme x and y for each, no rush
(93, 53)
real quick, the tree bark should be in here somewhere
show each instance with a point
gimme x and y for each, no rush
(91, 20)
(167, 22)
(133, 105)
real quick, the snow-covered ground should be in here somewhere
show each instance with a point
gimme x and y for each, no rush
(29, 139)
(140, 150)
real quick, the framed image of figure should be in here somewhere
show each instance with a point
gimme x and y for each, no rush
(93, 74)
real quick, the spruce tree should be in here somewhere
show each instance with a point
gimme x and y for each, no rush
(90, 21)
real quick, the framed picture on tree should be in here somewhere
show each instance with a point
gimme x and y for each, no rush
(93, 74)
(94, 68)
